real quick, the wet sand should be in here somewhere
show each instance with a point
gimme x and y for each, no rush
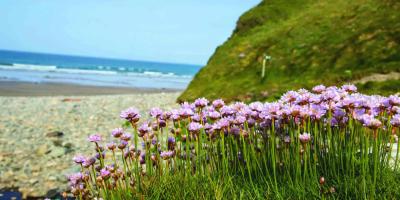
(11, 88)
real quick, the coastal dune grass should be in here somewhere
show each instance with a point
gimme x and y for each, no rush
(332, 143)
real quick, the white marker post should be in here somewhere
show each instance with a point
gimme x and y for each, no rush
(266, 58)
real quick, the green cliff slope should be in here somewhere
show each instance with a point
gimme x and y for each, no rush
(310, 42)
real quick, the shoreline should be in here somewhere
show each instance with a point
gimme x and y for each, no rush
(28, 89)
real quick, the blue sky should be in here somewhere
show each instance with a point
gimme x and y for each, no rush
(181, 31)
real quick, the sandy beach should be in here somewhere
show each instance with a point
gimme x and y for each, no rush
(12, 88)
(40, 135)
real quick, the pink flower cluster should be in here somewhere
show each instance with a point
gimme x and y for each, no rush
(332, 107)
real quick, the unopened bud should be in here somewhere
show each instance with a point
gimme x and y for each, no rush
(322, 180)
(99, 179)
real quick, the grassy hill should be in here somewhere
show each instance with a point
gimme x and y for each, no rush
(310, 42)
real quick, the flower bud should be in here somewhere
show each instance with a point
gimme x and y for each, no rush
(99, 179)
(153, 158)
(111, 146)
(162, 123)
(321, 180)
(183, 138)
(115, 176)
(64, 195)
(123, 144)
(154, 126)
(132, 183)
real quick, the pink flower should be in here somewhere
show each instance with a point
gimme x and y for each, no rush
(201, 102)
(126, 136)
(167, 154)
(111, 146)
(117, 132)
(79, 159)
(130, 114)
(105, 174)
(305, 137)
(319, 89)
(218, 103)
(194, 127)
(94, 138)
(156, 112)
(349, 88)
(395, 121)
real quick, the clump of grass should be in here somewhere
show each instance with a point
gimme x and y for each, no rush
(329, 143)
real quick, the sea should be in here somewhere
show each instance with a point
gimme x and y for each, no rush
(52, 68)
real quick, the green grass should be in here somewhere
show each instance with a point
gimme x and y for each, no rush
(311, 42)
(200, 187)
(380, 87)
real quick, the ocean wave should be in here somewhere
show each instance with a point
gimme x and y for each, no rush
(33, 67)
(84, 71)
(98, 70)
(160, 74)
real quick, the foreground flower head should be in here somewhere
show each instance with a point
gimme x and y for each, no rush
(126, 136)
(167, 154)
(79, 159)
(95, 138)
(319, 88)
(122, 144)
(117, 132)
(349, 88)
(370, 121)
(214, 115)
(156, 112)
(194, 127)
(143, 129)
(218, 103)
(201, 102)
(104, 173)
(186, 112)
(74, 178)
(395, 120)
(111, 146)
(131, 114)
(89, 162)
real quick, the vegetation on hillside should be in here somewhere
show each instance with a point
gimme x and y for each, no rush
(310, 42)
